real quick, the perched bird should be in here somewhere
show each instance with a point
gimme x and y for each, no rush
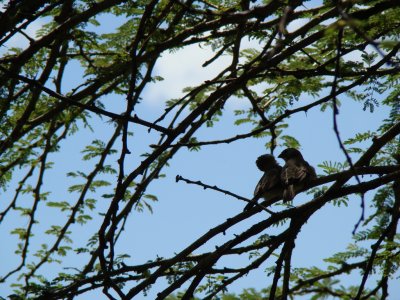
(270, 179)
(295, 171)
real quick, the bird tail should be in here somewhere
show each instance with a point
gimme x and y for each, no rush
(288, 193)
(250, 204)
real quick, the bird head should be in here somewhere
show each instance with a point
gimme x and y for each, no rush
(289, 153)
(266, 162)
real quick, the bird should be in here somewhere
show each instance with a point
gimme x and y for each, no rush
(270, 179)
(295, 171)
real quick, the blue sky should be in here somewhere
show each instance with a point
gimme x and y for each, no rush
(185, 212)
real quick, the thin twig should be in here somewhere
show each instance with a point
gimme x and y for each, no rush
(215, 188)
(335, 123)
(92, 108)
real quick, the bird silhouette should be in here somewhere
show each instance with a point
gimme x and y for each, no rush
(295, 171)
(270, 179)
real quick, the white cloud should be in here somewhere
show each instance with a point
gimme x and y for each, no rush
(181, 69)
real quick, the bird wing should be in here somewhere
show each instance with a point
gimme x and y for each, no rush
(310, 171)
(290, 173)
(269, 180)
(296, 171)
(301, 172)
